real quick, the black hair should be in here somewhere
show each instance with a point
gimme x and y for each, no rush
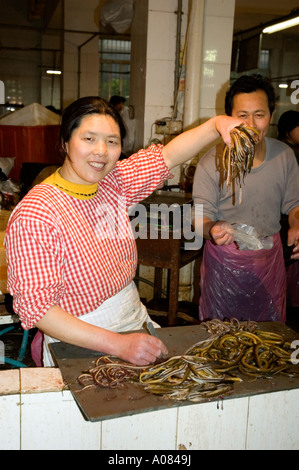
(249, 84)
(73, 114)
(286, 123)
(115, 100)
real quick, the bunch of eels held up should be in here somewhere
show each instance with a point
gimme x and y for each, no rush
(237, 159)
(208, 369)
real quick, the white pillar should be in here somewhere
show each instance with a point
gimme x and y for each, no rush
(208, 61)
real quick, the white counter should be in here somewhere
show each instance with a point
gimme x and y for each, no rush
(36, 413)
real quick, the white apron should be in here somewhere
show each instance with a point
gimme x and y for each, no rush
(122, 312)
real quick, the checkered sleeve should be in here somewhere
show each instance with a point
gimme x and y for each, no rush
(142, 173)
(36, 282)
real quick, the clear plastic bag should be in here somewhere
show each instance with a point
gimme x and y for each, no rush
(118, 14)
(243, 284)
(247, 238)
(9, 194)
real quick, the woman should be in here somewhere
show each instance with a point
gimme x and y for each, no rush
(71, 255)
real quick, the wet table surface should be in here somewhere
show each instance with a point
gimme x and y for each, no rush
(102, 403)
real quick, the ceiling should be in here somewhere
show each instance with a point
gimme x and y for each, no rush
(41, 10)
(249, 14)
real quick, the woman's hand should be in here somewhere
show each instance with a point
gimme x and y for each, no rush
(222, 233)
(224, 125)
(140, 348)
(187, 145)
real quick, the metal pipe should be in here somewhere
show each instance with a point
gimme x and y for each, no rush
(79, 62)
(194, 64)
(60, 30)
(62, 42)
(177, 54)
(29, 49)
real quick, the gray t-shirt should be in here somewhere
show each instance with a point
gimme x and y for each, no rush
(268, 191)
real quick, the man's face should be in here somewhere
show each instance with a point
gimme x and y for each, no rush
(253, 108)
(119, 107)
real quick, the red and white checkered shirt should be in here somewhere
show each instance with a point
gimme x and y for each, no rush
(77, 253)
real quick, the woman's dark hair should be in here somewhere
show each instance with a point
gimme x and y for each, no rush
(286, 123)
(249, 84)
(75, 112)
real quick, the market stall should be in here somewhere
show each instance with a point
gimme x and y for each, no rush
(43, 409)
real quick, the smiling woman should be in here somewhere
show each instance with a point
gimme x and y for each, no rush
(74, 232)
(92, 151)
(87, 106)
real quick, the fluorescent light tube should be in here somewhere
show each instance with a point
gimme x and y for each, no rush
(280, 26)
(54, 72)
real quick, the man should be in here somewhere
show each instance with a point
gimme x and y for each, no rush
(128, 144)
(247, 284)
(118, 102)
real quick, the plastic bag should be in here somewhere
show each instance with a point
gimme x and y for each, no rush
(37, 348)
(243, 284)
(118, 14)
(9, 194)
(248, 238)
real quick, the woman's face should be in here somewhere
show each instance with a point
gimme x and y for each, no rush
(253, 108)
(92, 151)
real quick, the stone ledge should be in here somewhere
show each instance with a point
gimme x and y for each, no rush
(31, 380)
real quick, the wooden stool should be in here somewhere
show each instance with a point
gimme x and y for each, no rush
(166, 254)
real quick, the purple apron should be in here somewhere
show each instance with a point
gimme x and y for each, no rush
(243, 284)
